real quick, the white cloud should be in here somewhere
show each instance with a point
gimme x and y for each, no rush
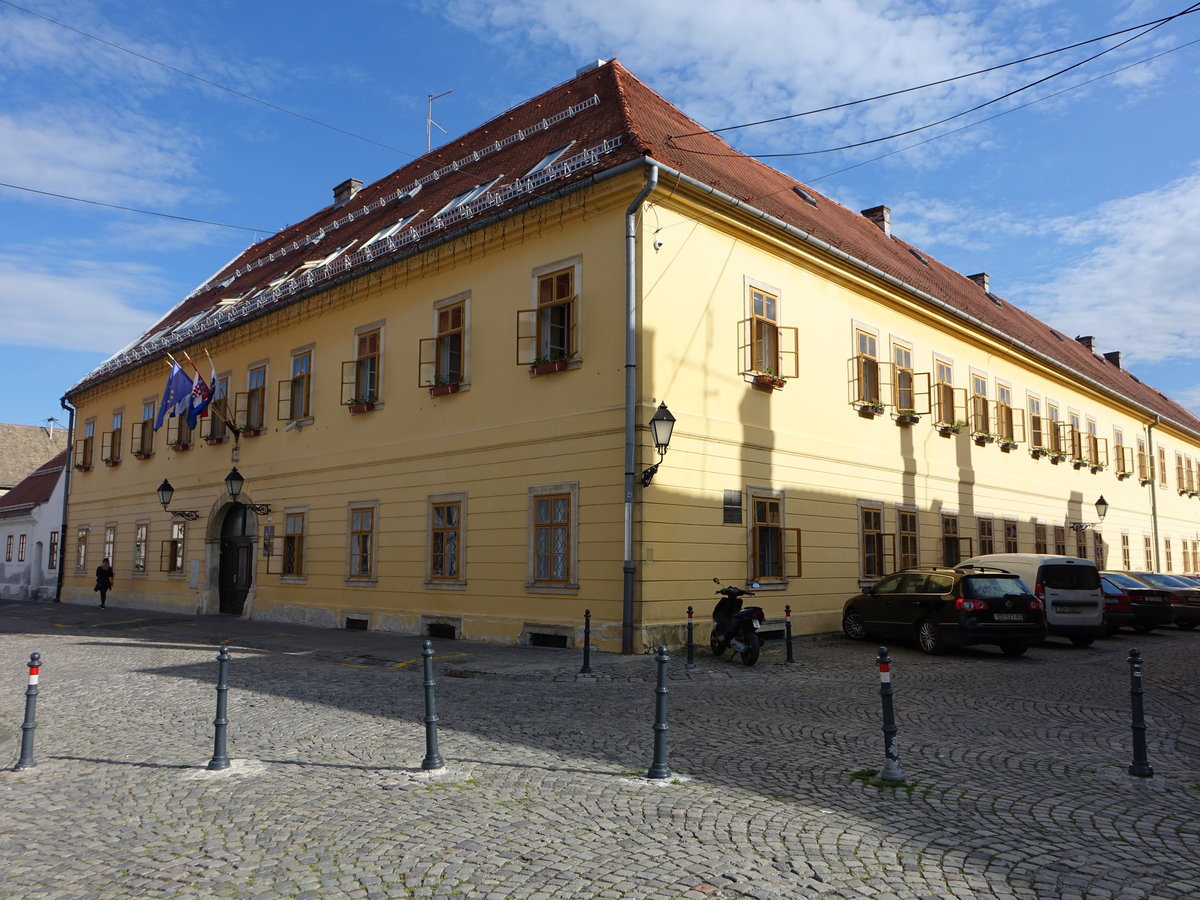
(75, 304)
(1136, 282)
(122, 159)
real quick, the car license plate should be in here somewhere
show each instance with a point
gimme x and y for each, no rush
(1067, 610)
(1009, 617)
(757, 624)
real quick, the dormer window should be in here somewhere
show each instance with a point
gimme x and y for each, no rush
(384, 233)
(468, 196)
(549, 159)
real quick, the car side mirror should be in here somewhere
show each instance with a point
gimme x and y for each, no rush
(869, 589)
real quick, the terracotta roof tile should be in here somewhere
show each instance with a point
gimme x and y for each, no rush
(606, 104)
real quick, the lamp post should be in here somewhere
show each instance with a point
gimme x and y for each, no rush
(165, 494)
(662, 424)
(1101, 511)
(233, 484)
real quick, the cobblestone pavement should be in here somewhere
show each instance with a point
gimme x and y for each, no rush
(1017, 783)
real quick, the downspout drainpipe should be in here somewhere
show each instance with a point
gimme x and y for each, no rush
(631, 348)
(1154, 488)
(68, 468)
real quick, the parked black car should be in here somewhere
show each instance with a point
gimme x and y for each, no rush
(943, 607)
(1150, 607)
(1184, 597)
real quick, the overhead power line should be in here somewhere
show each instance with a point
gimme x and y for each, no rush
(1051, 96)
(207, 81)
(144, 212)
(1147, 26)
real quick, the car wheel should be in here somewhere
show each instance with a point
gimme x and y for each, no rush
(1013, 649)
(1186, 624)
(852, 625)
(1081, 641)
(929, 637)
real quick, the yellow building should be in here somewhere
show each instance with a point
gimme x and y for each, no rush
(437, 390)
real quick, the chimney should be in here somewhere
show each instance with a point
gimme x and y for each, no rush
(1088, 341)
(345, 191)
(590, 67)
(983, 281)
(1114, 357)
(881, 216)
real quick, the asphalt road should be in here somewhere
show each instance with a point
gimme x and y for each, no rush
(1017, 780)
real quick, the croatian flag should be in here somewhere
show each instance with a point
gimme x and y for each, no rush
(197, 400)
(176, 395)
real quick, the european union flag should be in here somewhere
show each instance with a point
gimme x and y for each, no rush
(178, 390)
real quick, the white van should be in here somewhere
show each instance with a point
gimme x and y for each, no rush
(1068, 586)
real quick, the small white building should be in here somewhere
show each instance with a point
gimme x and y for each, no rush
(31, 517)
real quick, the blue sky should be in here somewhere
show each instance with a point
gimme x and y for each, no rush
(1084, 206)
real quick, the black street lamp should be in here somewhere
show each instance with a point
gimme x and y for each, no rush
(233, 484)
(662, 423)
(165, 494)
(1101, 511)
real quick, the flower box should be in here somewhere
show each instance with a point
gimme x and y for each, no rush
(1038, 452)
(982, 439)
(1058, 457)
(1078, 463)
(179, 445)
(361, 407)
(768, 380)
(1145, 481)
(112, 462)
(1096, 469)
(907, 419)
(946, 430)
(546, 366)
(441, 390)
(250, 432)
(83, 467)
(1121, 476)
(214, 440)
(1007, 446)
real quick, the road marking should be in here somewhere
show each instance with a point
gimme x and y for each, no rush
(119, 622)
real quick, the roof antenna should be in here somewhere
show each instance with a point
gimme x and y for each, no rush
(429, 123)
(52, 422)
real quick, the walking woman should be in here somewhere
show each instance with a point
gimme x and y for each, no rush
(104, 579)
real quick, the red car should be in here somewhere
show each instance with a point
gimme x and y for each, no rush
(1118, 607)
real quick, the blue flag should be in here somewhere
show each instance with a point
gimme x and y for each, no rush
(178, 391)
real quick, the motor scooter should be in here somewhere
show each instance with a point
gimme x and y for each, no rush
(742, 624)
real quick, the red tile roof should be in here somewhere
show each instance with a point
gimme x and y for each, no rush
(611, 118)
(35, 489)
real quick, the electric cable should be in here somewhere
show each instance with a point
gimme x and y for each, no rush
(145, 212)
(946, 119)
(929, 84)
(207, 81)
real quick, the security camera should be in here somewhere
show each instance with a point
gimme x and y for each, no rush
(658, 245)
(292, 425)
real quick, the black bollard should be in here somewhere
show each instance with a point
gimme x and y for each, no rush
(659, 768)
(27, 728)
(220, 758)
(433, 759)
(891, 765)
(691, 650)
(587, 643)
(787, 632)
(1141, 766)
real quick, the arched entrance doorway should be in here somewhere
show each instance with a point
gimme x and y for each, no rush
(236, 572)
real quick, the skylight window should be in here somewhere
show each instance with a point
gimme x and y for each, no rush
(918, 255)
(384, 233)
(549, 159)
(804, 195)
(467, 196)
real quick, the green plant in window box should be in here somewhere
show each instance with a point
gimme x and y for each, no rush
(360, 404)
(907, 418)
(110, 461)
(984, 437)
(1096, 468)
(955, 427)
(1007, 444)
(443, 386)
(83, 467)
(179, 445)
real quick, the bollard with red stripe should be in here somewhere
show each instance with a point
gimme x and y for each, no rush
(27, 728)
(891, 765)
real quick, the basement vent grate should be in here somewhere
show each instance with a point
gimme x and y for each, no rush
(442, 631)
(356, 623)
(541, 639)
